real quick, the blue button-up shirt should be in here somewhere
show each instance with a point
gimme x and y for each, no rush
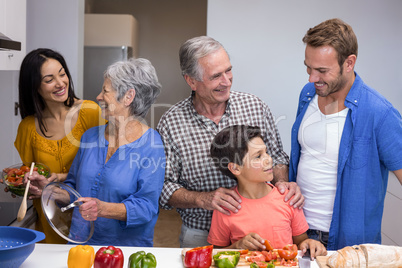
(133, 176)
(371, 145)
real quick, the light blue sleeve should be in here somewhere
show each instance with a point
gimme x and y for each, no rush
(142, 206)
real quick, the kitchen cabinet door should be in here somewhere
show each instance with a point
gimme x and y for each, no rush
(13, 25)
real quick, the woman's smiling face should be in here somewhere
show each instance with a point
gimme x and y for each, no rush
(54, 82)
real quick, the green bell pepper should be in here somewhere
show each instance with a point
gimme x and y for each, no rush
(255, 265)
(142, 260)
(226, 259)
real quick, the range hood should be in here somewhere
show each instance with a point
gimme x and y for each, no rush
(9, 44)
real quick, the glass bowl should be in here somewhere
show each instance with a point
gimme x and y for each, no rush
(13, 176)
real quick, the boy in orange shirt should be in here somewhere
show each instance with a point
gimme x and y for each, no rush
(240, 152)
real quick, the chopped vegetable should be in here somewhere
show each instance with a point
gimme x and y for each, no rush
(200, 257)
(289, 252)
(268, 245)
(226, 259)
(14, 176)
(261, 264)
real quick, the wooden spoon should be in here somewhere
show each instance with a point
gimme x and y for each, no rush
(23, 208)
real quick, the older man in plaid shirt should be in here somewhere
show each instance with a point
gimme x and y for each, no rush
(193, 185)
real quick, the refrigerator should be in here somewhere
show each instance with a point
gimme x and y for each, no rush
(96, 60)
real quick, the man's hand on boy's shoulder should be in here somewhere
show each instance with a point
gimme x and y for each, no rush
(222, 200)
(294, 193)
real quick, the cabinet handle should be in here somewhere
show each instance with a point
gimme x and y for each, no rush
(16, 106)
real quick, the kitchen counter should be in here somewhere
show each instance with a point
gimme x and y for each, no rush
(55, 256)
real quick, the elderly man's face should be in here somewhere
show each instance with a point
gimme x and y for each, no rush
(217, 78)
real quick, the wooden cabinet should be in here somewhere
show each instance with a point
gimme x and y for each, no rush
(13, 25)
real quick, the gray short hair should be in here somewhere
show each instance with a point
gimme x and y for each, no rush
(194, 49)
(137, 74)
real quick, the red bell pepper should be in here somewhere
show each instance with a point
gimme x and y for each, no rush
(109, 257)
(200, 257)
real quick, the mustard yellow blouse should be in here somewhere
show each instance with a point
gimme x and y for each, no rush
(58, 155)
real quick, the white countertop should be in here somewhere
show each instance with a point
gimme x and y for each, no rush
(55, 256)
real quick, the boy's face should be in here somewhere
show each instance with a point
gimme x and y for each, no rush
(257, 163)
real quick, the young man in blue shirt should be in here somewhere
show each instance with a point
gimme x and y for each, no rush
(345, 140)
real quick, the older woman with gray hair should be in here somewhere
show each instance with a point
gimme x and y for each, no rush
(120, 167)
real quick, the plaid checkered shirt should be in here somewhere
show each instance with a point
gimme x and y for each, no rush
(187, 138)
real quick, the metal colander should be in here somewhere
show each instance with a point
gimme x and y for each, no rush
(16, 244)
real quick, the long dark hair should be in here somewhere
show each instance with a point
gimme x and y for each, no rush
(30, 101)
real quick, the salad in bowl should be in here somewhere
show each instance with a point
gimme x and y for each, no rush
(13, 176)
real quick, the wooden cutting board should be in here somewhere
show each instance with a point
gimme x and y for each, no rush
(242, 262)
(322, 261)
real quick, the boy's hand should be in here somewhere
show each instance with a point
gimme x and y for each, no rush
(252, 241)
(316, 248)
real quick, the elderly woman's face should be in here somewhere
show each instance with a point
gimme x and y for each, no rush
(108, 103)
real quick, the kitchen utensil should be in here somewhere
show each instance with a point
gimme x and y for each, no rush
(61, 208)
(305, 260)
(72, 205)
(23, 208)
(16, 244)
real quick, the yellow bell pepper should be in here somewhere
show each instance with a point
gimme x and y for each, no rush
(81, 257)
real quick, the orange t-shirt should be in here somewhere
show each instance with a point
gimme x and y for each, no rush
(270, 217)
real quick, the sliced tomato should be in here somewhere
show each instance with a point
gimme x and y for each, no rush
(25, 169)
(256, 257)
(255, 253)
(268, 245)
(292, 247)
(12, 172)
(17, 182)
(12, 179)
(269, 255)
(287, 254)
(243, 251)
(292, 262)
(285, 263)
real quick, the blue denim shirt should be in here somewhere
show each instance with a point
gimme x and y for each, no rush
(133, 176)
(371, 145)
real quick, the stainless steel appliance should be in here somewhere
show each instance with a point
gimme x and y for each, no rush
(9, 207)
(96, 60)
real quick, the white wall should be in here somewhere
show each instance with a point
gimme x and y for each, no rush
(264, 37)
(264, 40)
(59, 25)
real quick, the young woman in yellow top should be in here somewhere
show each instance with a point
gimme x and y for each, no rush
(53, 120)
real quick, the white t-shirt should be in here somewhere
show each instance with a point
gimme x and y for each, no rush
(319, 137)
